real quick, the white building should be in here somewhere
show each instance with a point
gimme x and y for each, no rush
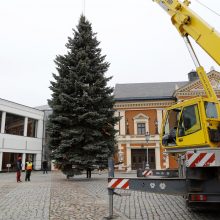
(21, 134)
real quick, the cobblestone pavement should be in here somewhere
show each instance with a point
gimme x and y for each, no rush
(69, 200)
(26, 200)
(53, 197)
(141, 205)
(49, 197)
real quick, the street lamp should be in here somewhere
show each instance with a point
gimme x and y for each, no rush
(147, 137)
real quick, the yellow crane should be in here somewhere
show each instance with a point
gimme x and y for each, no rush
(194, 123)
(190, 130)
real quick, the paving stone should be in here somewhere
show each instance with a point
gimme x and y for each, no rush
(53, 197)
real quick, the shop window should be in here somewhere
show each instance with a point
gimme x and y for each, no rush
(32, 128)
(14, 124)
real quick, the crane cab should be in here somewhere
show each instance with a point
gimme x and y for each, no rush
(191, 124)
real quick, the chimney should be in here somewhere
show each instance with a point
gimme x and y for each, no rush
(192, 76)
(212, 68)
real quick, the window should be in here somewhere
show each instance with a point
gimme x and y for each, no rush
(189, 121)
(141, 128)
(170, 128)
(171, 120)
(141, 124)
(210, 109)
(32, 128)
(14, 124)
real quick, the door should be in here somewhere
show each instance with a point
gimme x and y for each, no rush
(139, 158)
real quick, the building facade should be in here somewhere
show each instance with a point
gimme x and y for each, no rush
(141, 107)
(21, 134)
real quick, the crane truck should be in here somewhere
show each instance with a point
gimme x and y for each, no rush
(190, 129)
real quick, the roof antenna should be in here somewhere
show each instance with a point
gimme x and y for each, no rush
(84, 7)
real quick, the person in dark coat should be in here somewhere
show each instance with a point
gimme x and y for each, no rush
(45, 166)
(88, 172)
(18, 169)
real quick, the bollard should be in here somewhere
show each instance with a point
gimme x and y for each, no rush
(111, 173)
(110, 194)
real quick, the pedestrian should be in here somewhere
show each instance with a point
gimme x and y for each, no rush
(28, 168)
(88, 172)
(18, 169)
(45, 166)
(99, 169)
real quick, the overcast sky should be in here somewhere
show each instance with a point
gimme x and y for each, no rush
(136, 35)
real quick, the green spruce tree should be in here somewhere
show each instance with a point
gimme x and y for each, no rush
(81, 127)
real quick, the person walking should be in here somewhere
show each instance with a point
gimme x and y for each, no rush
(88, 173)
(18, 169)
(28, 168)
(45, 166)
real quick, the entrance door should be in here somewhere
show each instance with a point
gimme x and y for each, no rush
(139, 158)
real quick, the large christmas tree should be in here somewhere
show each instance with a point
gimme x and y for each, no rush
(81, 127)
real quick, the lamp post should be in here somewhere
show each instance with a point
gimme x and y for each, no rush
(147, 136)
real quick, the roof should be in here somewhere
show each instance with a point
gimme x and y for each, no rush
(140, 91)
(11, 103)
(44, 108)
(147, 91)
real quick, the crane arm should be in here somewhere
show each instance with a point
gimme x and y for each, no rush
(189, 23)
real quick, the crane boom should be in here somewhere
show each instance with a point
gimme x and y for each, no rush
(188, 23)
